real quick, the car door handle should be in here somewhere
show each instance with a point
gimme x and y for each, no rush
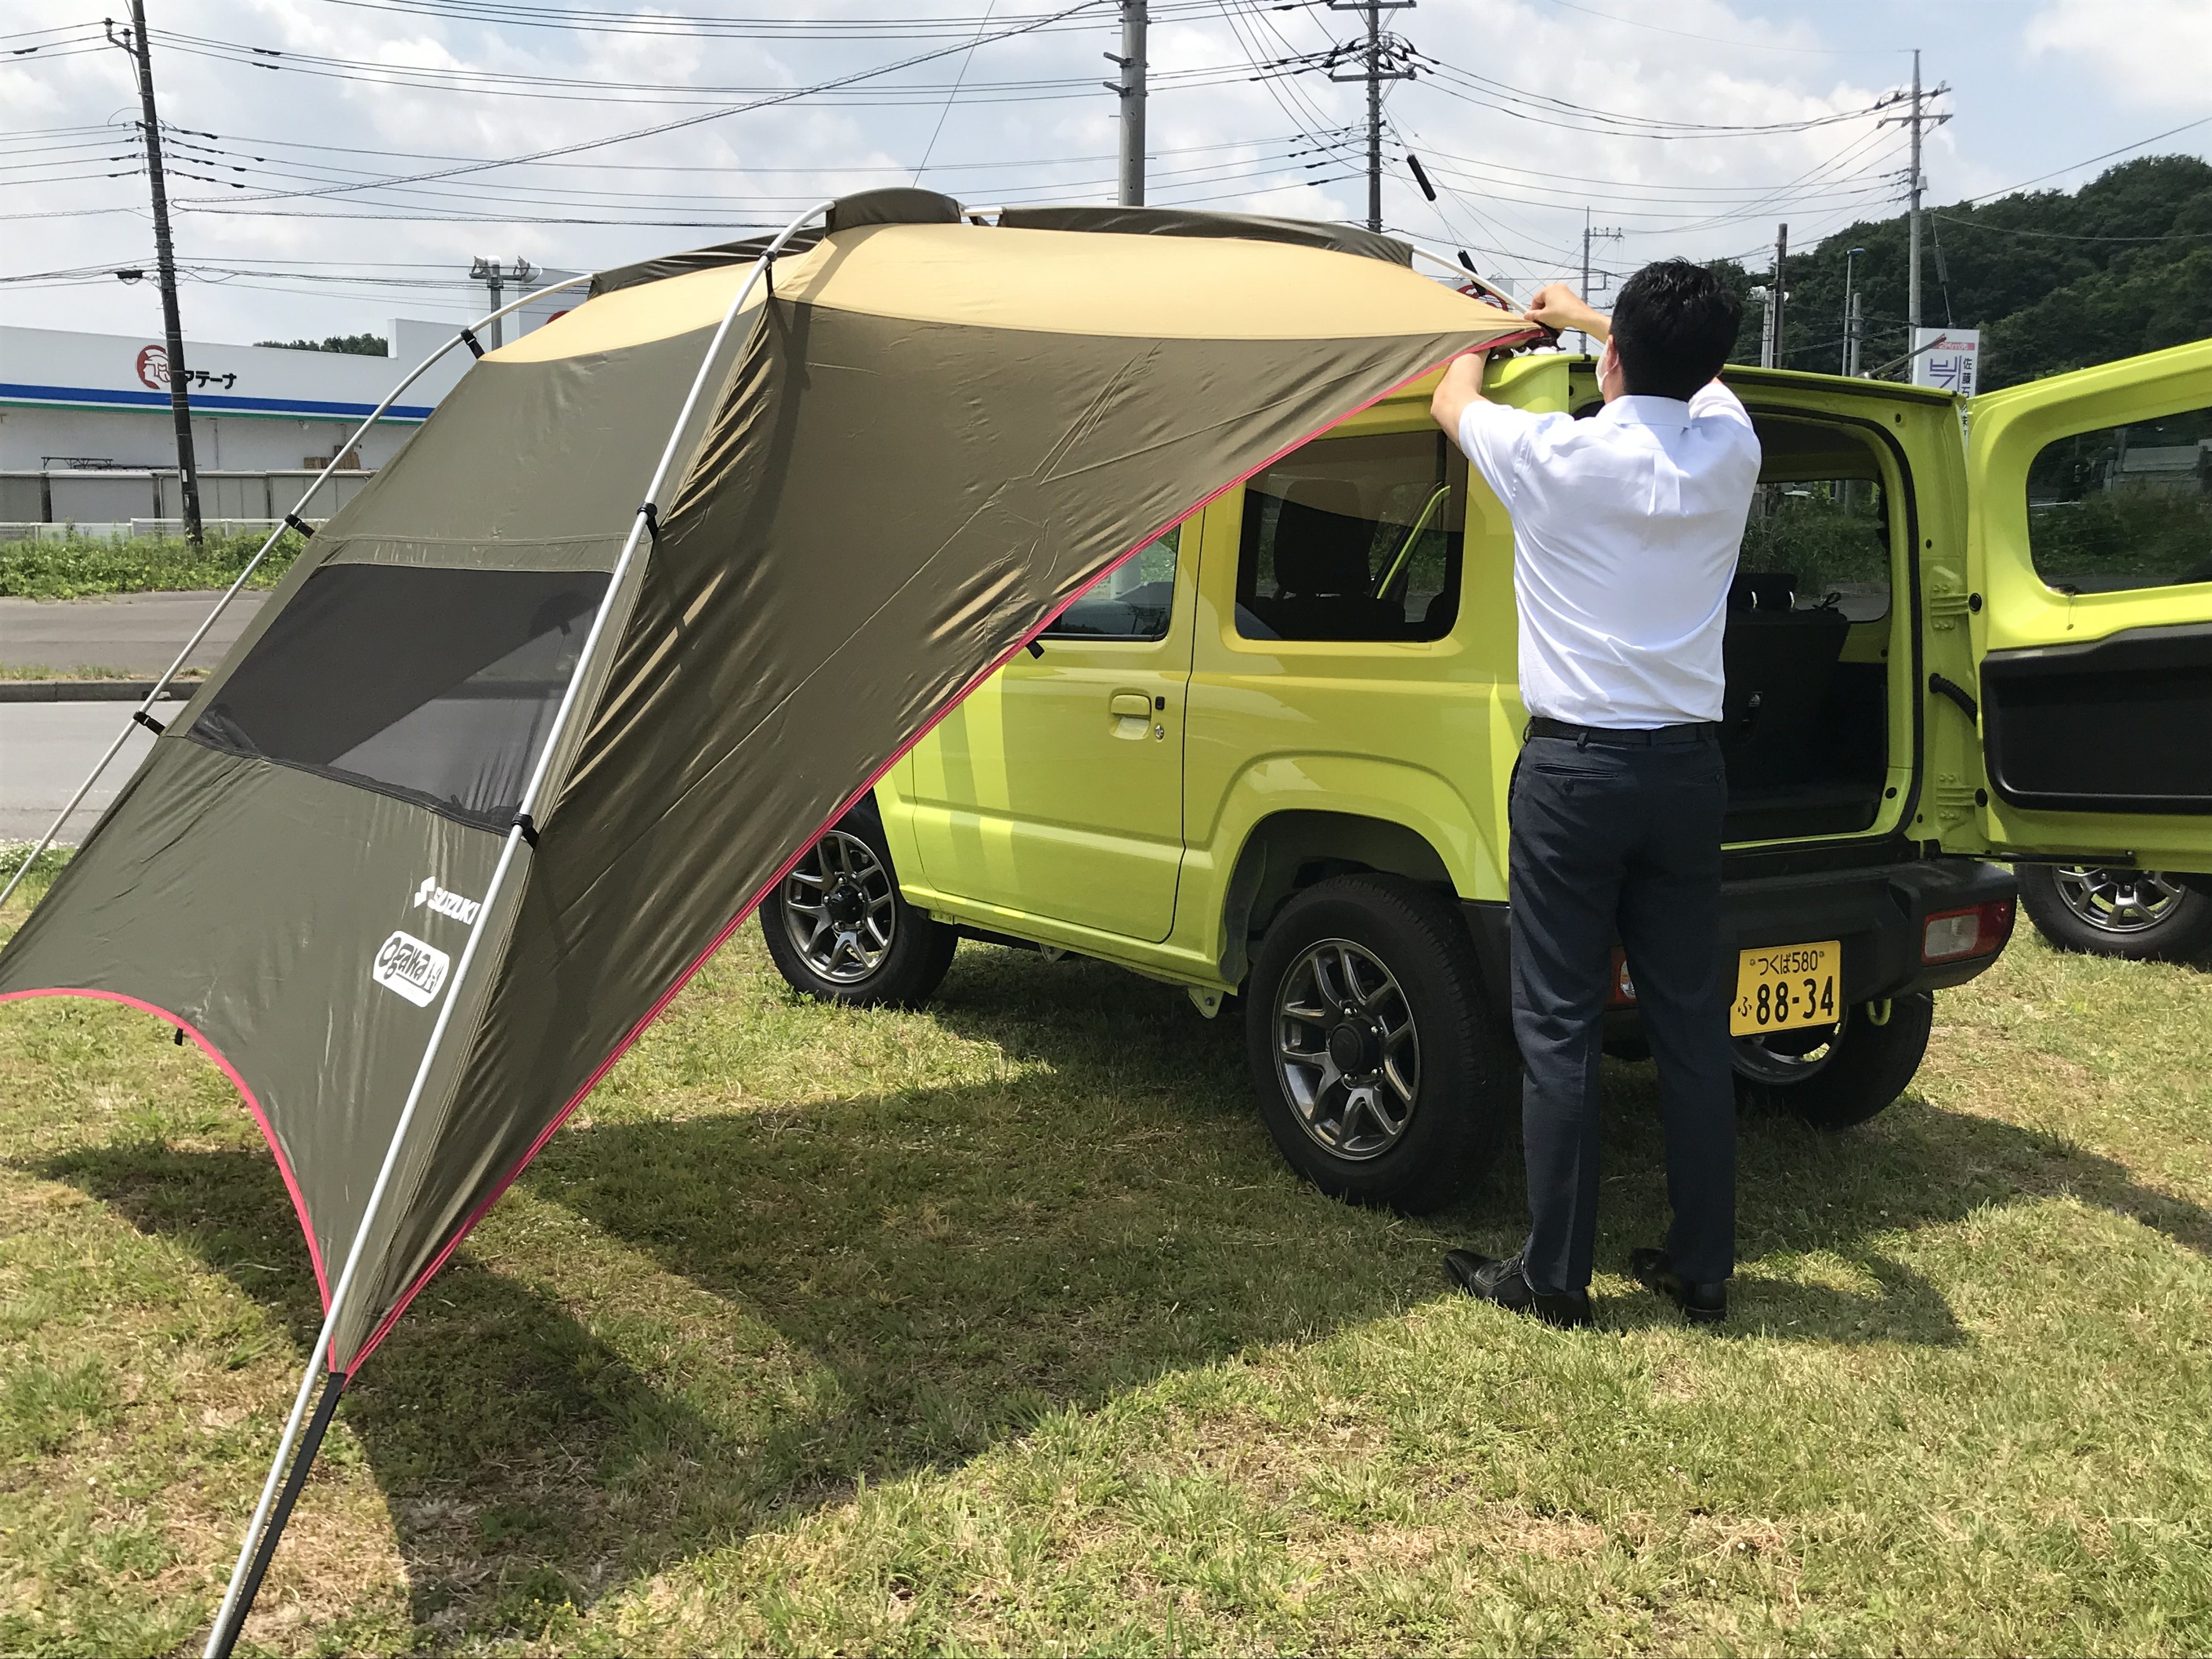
(1130, 705)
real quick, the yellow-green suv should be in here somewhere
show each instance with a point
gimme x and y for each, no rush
(1267, 759)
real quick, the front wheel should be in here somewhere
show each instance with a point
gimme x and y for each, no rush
(1834, 1076)
(2144, 915)
(838, 928)
(1378, 1071)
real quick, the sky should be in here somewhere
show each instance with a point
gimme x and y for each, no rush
(290, 120)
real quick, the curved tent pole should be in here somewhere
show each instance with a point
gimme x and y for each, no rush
(292, 520)
(262, 1532)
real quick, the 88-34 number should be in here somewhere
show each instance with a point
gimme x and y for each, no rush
(1777, 1002)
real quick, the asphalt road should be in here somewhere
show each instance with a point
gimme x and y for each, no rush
(46, 750)
(134, 634)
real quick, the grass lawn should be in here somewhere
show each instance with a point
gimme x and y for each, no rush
(1000, 1326)
(81, 566)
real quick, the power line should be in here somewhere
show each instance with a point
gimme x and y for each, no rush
(585, 21)
(2066, 236)
(678, 125)
(2009, 188)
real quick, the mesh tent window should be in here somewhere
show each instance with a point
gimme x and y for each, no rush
(437, 686)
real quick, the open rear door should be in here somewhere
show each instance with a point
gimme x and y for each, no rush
(2089, 562)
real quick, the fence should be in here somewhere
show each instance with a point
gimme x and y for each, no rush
(117, 502)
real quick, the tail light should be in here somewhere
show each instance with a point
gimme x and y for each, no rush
(1951, 935)
(1621, 993)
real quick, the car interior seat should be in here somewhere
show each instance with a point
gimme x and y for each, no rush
(1323, 542)
(1779, 660)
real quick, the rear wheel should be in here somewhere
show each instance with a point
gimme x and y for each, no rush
(837, 927)
(1835, 1076)
(1377, 1074)
(2142, 915)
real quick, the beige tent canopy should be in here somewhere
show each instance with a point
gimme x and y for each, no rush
(655, 595)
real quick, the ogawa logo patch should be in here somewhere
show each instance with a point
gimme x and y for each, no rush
(463, 910)
(414, 970)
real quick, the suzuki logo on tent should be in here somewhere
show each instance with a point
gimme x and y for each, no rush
(415, 970)
(463, 910)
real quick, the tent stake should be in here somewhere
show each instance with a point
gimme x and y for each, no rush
(230, 1613)
(226, 1635)
(291, 520)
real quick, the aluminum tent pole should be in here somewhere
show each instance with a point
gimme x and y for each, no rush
(293, 520)
(230, 1619)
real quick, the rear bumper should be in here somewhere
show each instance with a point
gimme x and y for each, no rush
(1879, 914)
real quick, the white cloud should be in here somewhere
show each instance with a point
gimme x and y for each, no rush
(2149, 52)
(1519, 171)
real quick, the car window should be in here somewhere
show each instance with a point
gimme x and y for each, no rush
(1354, 538)
(1133, 601)
(1817, 535)
(2124, 506)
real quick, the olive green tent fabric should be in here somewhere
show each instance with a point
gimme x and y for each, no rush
(1188, 221)
(928, 438)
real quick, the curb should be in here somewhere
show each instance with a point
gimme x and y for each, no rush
(90, 690)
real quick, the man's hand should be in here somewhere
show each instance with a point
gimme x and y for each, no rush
(1559, 307)
(1460, 385)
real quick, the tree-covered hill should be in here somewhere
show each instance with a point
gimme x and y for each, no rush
(2055, 280)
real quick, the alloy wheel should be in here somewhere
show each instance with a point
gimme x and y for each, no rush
(1346, 1052)
(2117, 901)
(839, 909)
(1787, 1057)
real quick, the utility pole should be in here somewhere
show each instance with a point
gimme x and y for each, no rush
(1386, 59)
(1918, 120)
(495, 279)
(1131, 89)
(1612, 234)
(165, 256)
(1375, 118)
(1776, 302)
(1912, 259)
(1850, 308)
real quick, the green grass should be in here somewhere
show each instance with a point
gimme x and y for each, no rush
(81, 566)
(1001, 1327)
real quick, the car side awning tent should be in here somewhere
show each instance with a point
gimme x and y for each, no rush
(918, 438)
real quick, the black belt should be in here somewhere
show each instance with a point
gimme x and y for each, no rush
(1649, 736)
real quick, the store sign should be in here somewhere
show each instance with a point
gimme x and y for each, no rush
(1947, 359)
(153, 373)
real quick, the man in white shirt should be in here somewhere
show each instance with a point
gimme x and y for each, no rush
(1625, 528)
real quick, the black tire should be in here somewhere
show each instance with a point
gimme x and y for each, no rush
(1833, 1077)
(1449, 1102)
(899, 955)
(2141, 916)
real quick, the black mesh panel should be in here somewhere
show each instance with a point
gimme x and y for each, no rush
(437, 685)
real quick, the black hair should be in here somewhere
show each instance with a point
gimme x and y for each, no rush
(1673, 328)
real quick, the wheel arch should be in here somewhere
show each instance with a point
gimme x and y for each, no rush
(1291, 849)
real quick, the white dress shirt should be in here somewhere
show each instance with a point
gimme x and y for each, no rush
(1626, 527)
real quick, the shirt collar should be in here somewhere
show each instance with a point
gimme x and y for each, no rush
(1666, 414)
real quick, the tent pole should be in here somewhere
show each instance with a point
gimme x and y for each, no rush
(144, 716)
(226, 1636)
(229, 1614)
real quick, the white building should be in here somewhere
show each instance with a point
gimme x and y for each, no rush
(87, 436)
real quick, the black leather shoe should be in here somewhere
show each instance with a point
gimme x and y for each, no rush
(1502, 1282)
(1701, 1304)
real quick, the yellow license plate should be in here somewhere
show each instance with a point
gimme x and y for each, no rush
(1785, 988)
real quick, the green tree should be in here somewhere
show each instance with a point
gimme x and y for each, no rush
(357, 345)
(2056, 280)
